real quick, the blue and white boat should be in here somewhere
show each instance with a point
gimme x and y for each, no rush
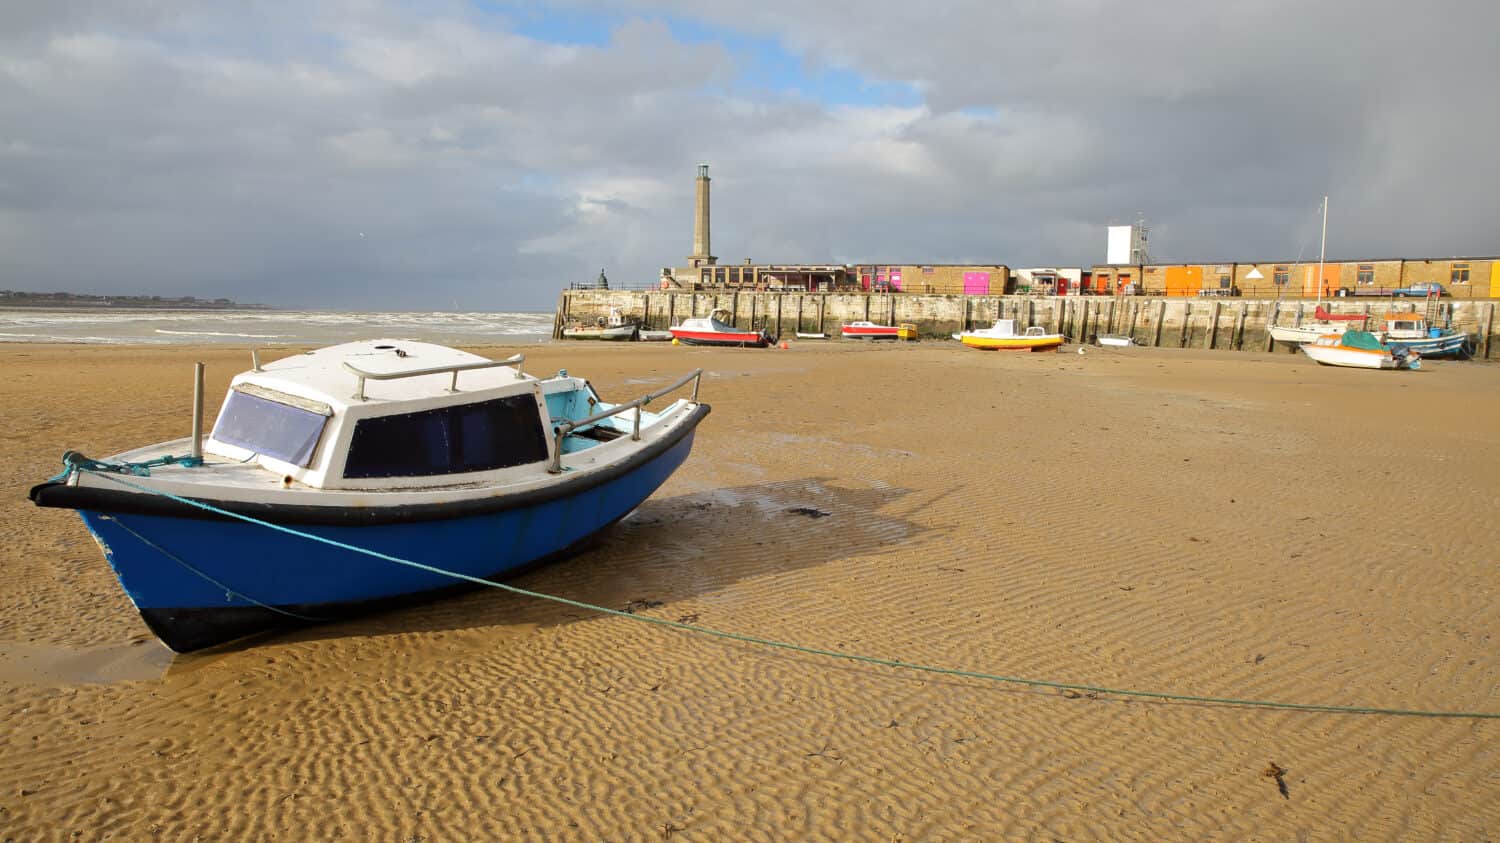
(1411, 330)
(409, 449)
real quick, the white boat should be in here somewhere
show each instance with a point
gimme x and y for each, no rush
(1359, 350)
(803, 335)
(616, 329)
(654, 336)
(1115, 340)
(1002, 336)
(868, 331)
(409, 450)
(714, 331)
(618, 333)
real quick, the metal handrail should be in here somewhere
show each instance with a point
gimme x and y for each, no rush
(359, 393)
(562, 430)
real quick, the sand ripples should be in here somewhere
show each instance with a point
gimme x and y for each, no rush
(1139, 521)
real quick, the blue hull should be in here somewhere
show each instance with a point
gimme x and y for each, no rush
(204, 581)
(1452, 345)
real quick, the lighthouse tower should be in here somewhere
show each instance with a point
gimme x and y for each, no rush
(701, 255)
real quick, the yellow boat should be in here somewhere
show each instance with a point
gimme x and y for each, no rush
(906, 331)
(1002, 336)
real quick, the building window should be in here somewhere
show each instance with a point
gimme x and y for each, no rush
(926, 270)
(1281, 276)
(1460, 274)
(1223, 282)
(1366, 275)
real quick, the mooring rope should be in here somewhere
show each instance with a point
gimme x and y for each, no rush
(228, 592)
(799, 648)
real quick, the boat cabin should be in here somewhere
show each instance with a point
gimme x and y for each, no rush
(1406, 326)
(393, 414)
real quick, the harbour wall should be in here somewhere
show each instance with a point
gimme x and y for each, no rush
(1216, 323)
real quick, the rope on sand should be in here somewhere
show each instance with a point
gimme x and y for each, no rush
(798, 648)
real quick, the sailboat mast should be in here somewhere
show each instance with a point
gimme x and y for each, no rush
(1322, 247)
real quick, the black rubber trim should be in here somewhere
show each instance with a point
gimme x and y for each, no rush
(130, 502)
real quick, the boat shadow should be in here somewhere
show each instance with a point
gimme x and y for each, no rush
(688, 547)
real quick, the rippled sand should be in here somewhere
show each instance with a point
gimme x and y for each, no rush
(1206, 523)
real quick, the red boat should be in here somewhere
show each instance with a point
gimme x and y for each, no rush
(711, 331)
(868, 331)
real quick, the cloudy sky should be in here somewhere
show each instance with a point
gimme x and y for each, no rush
(449, 155)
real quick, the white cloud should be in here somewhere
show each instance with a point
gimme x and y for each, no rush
(223, 150)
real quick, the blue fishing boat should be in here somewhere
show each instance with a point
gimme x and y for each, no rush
(1411, 330)
(376, 445)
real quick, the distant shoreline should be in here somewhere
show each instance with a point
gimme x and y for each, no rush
(50, 304)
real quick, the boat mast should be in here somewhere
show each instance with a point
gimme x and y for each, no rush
(1322, 246)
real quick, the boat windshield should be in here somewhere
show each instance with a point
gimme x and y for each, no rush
(271, 428)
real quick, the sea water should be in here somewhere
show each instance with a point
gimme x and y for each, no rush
(266, 327)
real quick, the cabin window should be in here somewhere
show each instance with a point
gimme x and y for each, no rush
(1460, 274)
(1366, 275)
(1281, 276)
(494, 434)
(271, 428)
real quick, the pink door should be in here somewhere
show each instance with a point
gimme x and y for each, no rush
(976, 283)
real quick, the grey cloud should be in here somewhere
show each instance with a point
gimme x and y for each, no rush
(208, 150)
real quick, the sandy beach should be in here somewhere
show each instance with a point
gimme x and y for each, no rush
(1234, 525)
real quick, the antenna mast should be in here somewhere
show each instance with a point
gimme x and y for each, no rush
(1322, 247)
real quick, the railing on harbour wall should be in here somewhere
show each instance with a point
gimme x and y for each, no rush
(1210, 322)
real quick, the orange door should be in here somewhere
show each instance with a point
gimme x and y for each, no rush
(1184, 280)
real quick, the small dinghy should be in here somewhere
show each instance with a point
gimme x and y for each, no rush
(618, 333)
(1002, 336)
(1115, 340)
(713, 331)
(412, 450)
(615, 329)
(868, 331)
(1360, 350)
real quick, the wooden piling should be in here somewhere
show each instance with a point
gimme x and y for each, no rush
(1213, 327)
(1271, 323)
(1237, 336)
(1489, 327)
(1161, 316)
